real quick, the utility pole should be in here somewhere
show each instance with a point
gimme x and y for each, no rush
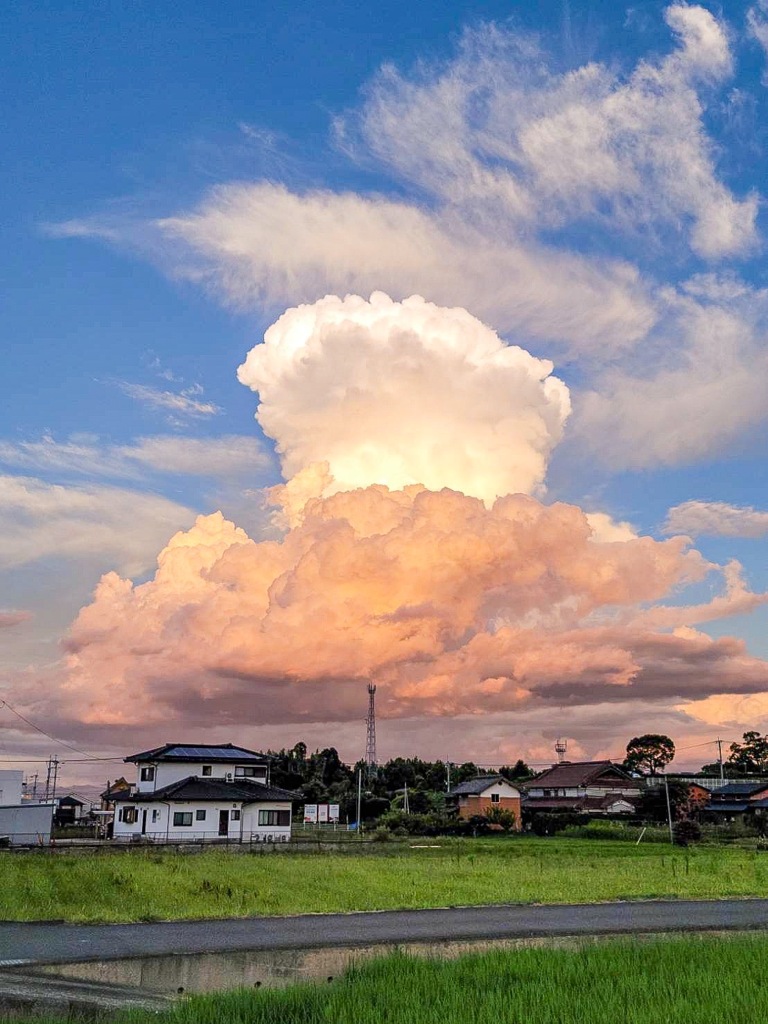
(34, 786)
(669, 810)
(406, 807)
(720, 757)
(359, 798)
(447, 776)
(56, 764)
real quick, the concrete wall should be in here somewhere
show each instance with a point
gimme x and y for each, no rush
(26, 824)
(10, 787)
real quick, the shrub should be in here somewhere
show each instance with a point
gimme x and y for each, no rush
(686, 832)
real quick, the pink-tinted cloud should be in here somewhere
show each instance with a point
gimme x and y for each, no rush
(13, 618)
(451, 607)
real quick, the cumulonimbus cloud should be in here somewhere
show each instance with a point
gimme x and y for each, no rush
(450, 606)
(394, 393)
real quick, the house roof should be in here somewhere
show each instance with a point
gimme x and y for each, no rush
(577, 773)
(733, 808)
(70, 801)
(474, 787)
(194, 788)
(732, 789)
(215, 753)
(118, 786)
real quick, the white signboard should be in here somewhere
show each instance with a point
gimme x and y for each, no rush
(333, 812)
(322, 812)
(310, 814)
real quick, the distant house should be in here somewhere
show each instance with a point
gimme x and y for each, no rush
(738, 799)
(590, 787)
(202, 792)
(120, 787)
(478, 796)
(69, 810)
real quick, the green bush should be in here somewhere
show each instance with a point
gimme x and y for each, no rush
(686, 832)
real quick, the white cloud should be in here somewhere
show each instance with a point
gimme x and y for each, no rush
(182, 405)
(261, 243)
(13, 618)
(699, 384)
(716, 519)
(757, 23)
(112, 526)
(227, 457)
(383, 392)
(498, 135)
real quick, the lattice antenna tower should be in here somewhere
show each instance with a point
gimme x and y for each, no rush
(370, 730)
(560, 748)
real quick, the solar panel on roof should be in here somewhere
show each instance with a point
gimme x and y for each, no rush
(207, 753)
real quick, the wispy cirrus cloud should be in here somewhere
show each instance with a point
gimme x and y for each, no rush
(119, 526)
(227, 457)
(715, 519)
(181, 405)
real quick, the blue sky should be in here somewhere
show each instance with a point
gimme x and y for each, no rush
(138, 269)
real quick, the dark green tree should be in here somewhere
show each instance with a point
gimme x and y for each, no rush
(516, 772)
(649, 754)
(750, 756)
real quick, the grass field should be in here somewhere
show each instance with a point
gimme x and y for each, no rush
(672, 981)
(140, 885)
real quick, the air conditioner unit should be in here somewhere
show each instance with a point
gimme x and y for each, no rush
(228, 777)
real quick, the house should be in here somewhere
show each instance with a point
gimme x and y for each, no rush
(69, 810)
(22, 824)
(202, 792)
(591, 787)
(745, 799)
(480, 795)
(119, 787)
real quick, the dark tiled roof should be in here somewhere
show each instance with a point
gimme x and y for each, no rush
(574, 803)
(194, 788)
(739, 789)
(729, 808)
(474, 787)
(216, 753)
(577, 773)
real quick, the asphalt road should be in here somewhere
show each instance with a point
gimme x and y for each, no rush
(56, 943)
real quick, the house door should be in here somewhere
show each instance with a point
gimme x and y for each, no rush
(143, 823)
(223, 823)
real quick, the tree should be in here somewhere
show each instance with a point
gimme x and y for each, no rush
(518, 771)
(649, 753)
(751, 756)
(501, 817)
(652, 805)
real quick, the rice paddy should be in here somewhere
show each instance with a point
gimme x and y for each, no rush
(141, 885)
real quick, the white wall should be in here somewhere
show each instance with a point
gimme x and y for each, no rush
(502, 788)
(26, 824)
(11, 784)
(247, 827)
(168, 773)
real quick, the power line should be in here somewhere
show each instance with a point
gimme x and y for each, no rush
(5, 704)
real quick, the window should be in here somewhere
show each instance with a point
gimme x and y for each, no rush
(155, 816)
(495, 798)
(234, 815)
(200, 815)
(182, 818)
(147, 774)
(128, 815)
(282, 818)
(207, 769)
(250, 771)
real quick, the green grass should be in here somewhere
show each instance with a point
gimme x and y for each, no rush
(671, 981)
(143, 885)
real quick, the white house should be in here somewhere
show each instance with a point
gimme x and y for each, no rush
(22, 824)
(592, 787)
(199, 792)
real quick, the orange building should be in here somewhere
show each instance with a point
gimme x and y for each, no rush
(478, 796)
